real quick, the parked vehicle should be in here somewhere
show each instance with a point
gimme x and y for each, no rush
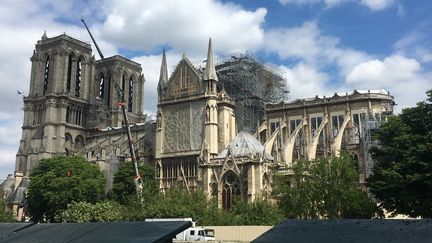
(194, 233)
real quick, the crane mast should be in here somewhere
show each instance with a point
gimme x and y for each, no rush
(137, 177)
(94, 41)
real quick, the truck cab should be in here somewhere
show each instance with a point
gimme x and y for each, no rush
(196, 234)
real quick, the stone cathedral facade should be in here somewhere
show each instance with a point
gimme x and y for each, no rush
(197, 145)
(72, 108)
(71, 97)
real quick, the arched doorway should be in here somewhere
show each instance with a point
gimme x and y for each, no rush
(230, 189)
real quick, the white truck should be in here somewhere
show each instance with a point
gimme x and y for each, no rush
(194, 233)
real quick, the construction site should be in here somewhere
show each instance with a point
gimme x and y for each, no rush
(251, 84)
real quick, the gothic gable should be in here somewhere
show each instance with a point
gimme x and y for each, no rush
(184, 82)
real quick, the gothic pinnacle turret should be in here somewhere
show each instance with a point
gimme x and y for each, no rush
(44, 36)
(163, 77)
(210, 71)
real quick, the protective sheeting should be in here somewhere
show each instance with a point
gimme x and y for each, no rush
(350, 230)
(93, 232)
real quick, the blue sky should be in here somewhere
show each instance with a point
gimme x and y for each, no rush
(321, 46)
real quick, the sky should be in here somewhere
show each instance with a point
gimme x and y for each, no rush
(321, 46)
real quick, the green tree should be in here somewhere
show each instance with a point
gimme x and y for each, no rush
(58, 181)
(323, 188)
(259, 212)
(402, 173)
(6, 215)
(80, 212)
(124, 187)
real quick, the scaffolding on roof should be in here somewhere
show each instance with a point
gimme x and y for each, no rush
(250, 84)
(97, 115)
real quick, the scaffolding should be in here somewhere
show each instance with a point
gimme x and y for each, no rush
(97, 115)
(372, 124)
(250, 84)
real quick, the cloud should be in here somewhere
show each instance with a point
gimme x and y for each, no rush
(401, 75)
(305, 81)
(415, 44)
(321, 65)
(306, 43)
(374, 5)
(10, 134)
(183, 25)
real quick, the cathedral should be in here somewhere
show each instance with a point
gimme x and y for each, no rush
(197, 144)
(197, 140)
(72, 108)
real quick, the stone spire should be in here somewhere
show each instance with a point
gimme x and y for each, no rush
(210, 71)
(44, 36)
(163, 77)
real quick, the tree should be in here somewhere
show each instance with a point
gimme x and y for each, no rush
(323, 188)
(58, 181)
(6, 215)
(259, 212)
(80, 212)
(124, 186)
(402, 173)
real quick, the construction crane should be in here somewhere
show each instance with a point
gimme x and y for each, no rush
(137, 178)
(94, 42)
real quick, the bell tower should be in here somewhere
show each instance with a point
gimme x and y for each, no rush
(54, 110)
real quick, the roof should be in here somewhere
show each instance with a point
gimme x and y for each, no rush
(8, 185)
(17, 196)
(93, 232)
(244, 144)
(45, 40)
(380, 93)
(349, 230)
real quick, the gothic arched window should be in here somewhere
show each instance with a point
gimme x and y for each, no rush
(46, 75)
(230, 189)
(123, 84)
(101, 86)
(78, 77)
(69, 73)
(130, 99)
(68, 111)
(79, 142)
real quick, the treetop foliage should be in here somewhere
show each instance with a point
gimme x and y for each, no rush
(402, 173)
(323, 188)
(58, 181)
(124, 186)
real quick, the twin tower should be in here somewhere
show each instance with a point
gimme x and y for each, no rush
(72, 95)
